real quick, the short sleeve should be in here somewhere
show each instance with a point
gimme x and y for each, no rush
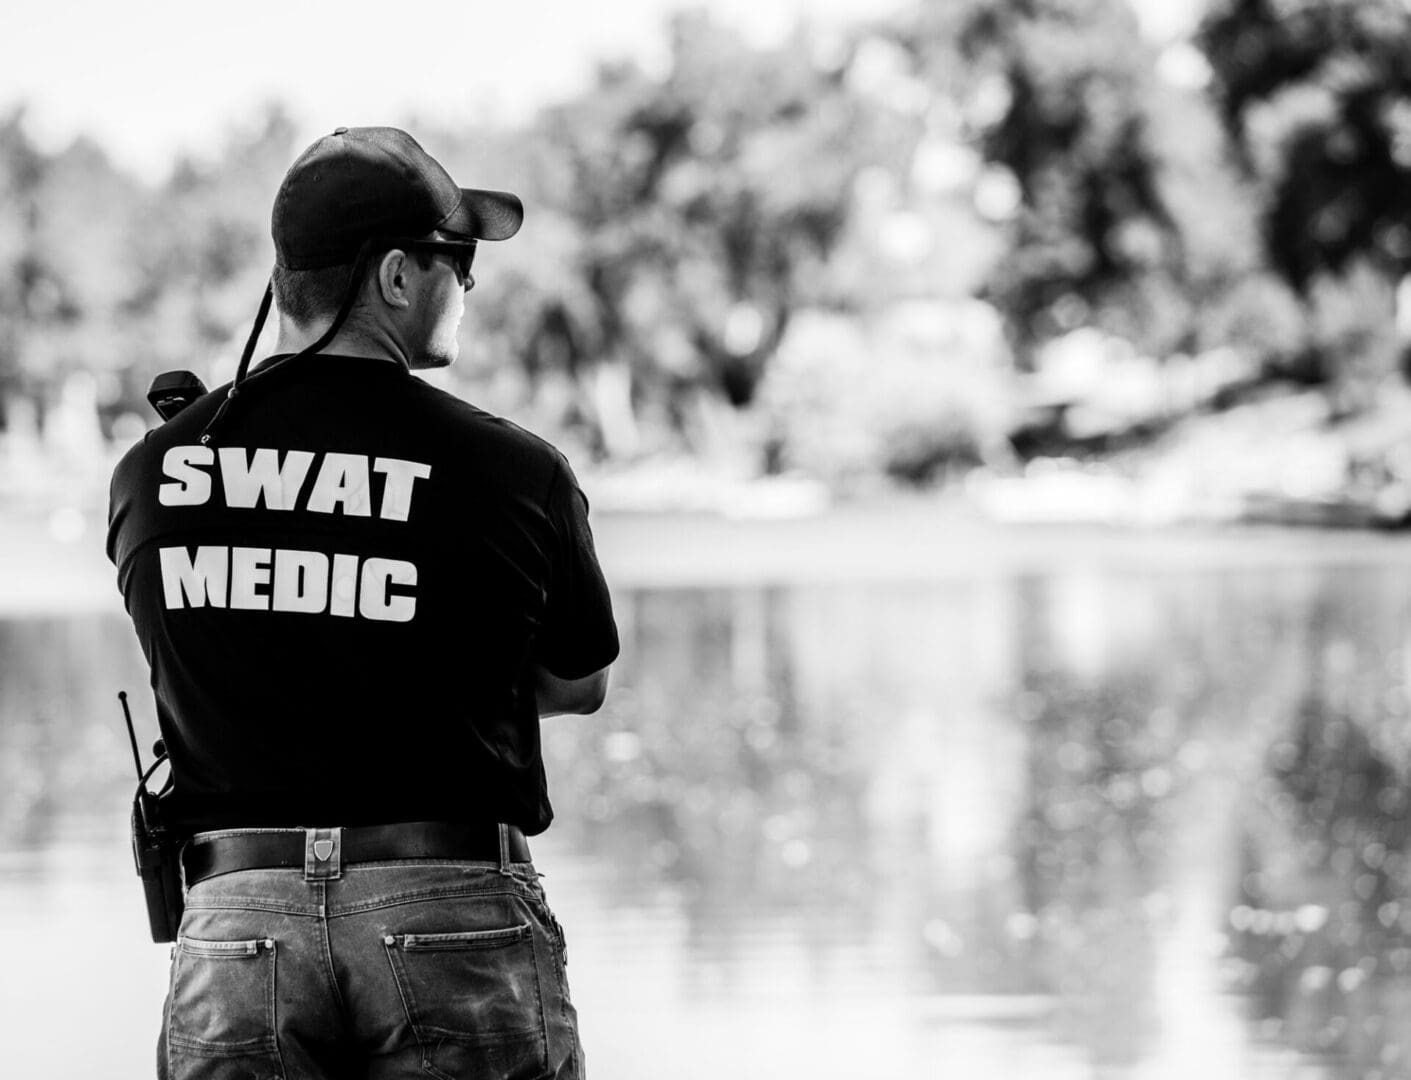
(578, 635)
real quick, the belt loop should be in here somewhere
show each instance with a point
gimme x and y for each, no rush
(504, 847)
(323, 854)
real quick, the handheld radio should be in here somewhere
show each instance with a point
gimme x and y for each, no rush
(155, 848)
(172, 391)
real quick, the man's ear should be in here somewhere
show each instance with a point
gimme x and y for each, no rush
(392, 279)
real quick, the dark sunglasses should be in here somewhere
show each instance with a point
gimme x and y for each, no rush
(460, 252)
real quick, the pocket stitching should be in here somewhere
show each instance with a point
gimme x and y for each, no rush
(427, 1034)
(467, 939)
(266, 1043)
(222, 949)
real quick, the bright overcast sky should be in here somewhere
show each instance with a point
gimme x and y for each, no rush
(150, 77)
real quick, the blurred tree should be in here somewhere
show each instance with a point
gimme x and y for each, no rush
(86, 209)
(1105, 179)
(1317, 96)
(201, 251)
(63, 236)
(689, 215)
(28, 291)
(1056, 96)
(1026, 151)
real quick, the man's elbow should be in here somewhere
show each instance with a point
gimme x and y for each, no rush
(577, 696)
(593, 693)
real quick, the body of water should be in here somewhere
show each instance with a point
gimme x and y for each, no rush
(1048, 821)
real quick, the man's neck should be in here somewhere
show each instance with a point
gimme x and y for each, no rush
(351, 340)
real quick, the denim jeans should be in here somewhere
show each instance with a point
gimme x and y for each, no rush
(453, 969)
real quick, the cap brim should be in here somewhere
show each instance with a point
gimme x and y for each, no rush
(486, 215)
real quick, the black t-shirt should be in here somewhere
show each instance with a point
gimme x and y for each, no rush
(343, 597)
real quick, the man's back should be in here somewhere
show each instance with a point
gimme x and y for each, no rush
(343, 601)
(358, 596)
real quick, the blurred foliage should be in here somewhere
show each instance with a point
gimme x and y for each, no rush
(689, 215)
(1317, 99)
(745, 254)
(1318, 96)
(1059, 98)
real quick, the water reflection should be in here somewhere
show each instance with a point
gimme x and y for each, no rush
(64, 754)
(1087, 824)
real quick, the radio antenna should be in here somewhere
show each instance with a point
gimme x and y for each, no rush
(131, 734)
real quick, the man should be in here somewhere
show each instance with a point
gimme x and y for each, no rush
(358, 595)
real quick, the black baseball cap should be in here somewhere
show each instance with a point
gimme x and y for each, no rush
(364, 182)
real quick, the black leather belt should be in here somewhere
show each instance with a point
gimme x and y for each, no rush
(207, 855)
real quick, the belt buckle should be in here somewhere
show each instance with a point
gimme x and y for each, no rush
(323, 854)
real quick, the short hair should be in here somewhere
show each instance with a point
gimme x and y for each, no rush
(308, 295)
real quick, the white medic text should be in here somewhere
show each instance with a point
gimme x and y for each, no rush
(278, 579)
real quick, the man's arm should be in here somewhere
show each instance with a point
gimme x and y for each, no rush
(576, 631)
(557, 696)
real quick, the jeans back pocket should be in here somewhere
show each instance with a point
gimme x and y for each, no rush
(221, 1019)
(472, 1000)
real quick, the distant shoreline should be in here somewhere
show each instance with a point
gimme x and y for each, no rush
(897, 539)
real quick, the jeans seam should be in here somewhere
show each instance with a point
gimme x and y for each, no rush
(540, 912)
(328, 953)
(274, 1002)
(166, 1021)
(561, 970)
(406, 1008)
(449, 892)
(177, 969)
(543, 1020)
(251, 903)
